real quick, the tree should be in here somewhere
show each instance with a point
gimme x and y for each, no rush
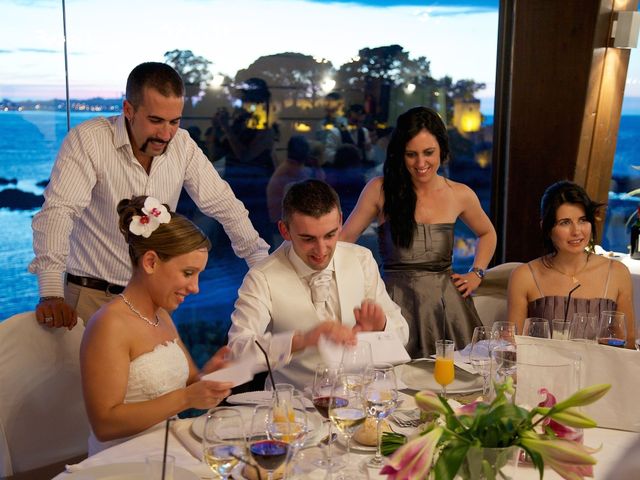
(193, 69)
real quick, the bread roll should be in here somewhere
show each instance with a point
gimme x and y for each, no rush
(366, 434)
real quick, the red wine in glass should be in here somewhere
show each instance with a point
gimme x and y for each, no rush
(322, 404)
(269, 454)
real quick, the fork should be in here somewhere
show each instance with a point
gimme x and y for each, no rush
(406, 420)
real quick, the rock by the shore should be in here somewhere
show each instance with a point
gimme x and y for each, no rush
(16, 199)
(8, 181)
(43, 183)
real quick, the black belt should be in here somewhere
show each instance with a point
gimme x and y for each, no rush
(95, 283)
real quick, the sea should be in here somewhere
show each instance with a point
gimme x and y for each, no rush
(31, 139)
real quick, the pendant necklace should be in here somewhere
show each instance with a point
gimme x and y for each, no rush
(572, 277)
(133, 309)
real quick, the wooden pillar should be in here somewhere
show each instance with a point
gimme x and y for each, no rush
(565, 91)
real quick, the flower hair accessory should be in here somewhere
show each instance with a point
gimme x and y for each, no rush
(154, 213)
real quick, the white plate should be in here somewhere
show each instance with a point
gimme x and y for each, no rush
(261, 397)
(342, 440)
(418, 375)
(125, 471)
(313, 419)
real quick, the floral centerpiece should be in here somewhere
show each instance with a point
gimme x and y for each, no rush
(453, 441)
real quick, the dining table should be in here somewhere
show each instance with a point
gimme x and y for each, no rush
(183, 443)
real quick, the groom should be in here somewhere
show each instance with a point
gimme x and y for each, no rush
(312, 285)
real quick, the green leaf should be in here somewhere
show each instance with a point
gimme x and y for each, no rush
(449, 461)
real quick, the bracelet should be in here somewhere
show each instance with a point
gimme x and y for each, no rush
(44, 299)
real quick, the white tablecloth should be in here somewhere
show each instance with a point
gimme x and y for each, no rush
(613, 442)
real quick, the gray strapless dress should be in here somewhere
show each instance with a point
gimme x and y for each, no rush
(417, 278)
(551, 307)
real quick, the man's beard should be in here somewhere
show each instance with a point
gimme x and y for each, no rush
(144, 146)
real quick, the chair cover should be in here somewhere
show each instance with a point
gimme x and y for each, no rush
(42, 414)
(490, 299)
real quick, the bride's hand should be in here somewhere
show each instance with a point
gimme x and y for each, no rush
(217, 361)
(205, 394)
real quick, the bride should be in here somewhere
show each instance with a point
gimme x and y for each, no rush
(136, 372)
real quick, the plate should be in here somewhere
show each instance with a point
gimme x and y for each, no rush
(342, 440)
(314, 421)
(125, 471)
(418, 375)
(261, 397)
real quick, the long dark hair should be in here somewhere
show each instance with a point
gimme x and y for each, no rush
(556, 195)
(399, 194)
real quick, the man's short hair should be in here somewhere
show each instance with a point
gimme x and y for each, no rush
(159, 76)
(298, 148)
(313, 198)
(357, 109)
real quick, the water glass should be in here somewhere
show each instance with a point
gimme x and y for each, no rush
(536, 327)
(612, 330)
(560, 329)
(584, 327)
(356, 358)
(381, 397)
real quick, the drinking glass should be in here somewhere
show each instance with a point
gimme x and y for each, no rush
(323, 381)
(536, 327)
(612, 330)
(479, 356)
(291, 429)
(381, 397)
(444, 372)
(269, 453)
(223, 440)
(347, 412)
(503, 348)
(282, 400)
(584, 327)
(356, 358)
(560, 329)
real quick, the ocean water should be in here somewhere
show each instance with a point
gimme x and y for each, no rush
(30, 141)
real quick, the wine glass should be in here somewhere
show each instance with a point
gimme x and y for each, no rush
(612, 330)
(536, 327)
(503, 348)
(269, 453)
(356, 358)
(444, 372)
(479, 356)
(347, 412)
(325, 377)
(381, 397)
(584, 327)
(223, 440)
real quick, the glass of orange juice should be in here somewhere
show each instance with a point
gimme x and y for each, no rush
(443, 372)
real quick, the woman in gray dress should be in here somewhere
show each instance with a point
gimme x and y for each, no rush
(416, 209)
(540, 288)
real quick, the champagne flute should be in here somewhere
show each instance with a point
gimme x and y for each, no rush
(479, 356)
(381, 396)
(269, 453)
(347, 412)
(444, 372)
(536, 327)
(325, 377)
(613, 330)
(223, 440)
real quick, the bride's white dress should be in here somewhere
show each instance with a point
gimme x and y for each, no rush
(151, 375)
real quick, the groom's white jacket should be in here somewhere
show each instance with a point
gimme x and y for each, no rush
(274, 302)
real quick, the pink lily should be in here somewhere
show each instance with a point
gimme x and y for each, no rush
(569, 459)
(413, 460)
(561, 431)
(469, 408)
(429, 402)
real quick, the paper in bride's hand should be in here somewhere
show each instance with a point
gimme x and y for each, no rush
(236, 372)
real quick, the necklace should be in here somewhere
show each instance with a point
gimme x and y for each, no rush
(573, 276)
(133, 309)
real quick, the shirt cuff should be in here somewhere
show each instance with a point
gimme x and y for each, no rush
(280, 349)
(50, 284)
(258, 255)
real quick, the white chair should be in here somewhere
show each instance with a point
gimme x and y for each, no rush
(490, 298)
(42, 416)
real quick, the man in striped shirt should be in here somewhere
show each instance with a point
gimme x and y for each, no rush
(80, 256)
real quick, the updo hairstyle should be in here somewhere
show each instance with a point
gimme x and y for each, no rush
(169, 240)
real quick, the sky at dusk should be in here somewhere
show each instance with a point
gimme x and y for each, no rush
(106, 39)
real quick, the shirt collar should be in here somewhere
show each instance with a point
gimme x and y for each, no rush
(121, 135)
(302, 269)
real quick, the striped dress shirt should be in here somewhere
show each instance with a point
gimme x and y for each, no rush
(77, 229)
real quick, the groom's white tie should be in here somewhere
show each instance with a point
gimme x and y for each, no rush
(320, 284)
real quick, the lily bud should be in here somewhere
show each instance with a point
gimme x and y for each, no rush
(573, 418)
(586, 396)
(429, 402)
(558, 450)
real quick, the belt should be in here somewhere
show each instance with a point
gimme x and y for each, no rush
(95, 283)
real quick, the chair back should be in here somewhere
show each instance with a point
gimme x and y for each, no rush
(42, 414)
(490, 299)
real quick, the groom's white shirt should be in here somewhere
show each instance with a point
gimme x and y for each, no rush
(274, 302)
